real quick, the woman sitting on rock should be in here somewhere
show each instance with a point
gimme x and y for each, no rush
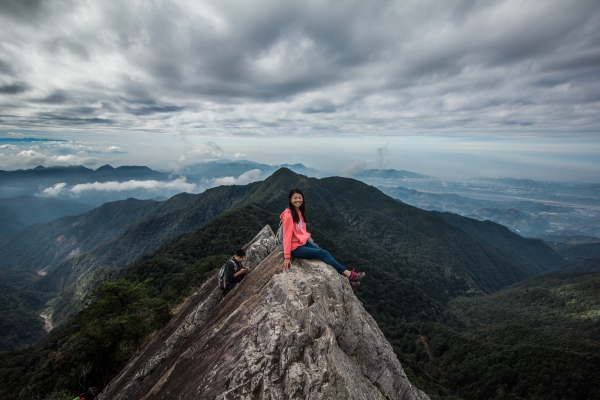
(297, 243)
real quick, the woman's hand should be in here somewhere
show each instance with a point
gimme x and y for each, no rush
(287, 262)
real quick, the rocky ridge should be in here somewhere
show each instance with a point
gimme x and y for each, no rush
(300, 334)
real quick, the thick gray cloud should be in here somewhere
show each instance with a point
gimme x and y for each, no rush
(273, 67)
(13, 88)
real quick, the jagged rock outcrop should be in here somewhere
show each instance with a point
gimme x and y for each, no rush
(300, 334)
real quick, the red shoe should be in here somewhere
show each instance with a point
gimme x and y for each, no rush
(355, 277)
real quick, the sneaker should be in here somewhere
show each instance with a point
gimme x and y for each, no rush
(354, 284)
(356, 276)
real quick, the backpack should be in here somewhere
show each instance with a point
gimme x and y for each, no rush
(279, 236)
(221, 278)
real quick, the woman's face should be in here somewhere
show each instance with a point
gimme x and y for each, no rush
(297, 200)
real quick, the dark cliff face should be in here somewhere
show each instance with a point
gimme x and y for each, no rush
(277, 335)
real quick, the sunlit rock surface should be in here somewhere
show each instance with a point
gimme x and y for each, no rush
(300, 334)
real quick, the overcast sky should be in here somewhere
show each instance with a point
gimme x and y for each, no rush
(447, 88)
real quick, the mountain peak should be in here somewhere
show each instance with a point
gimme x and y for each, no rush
(277, 335)
(283, 171)
(105, 167)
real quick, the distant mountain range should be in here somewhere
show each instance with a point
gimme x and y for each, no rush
(205, 172)
(47, 176)
(96, 187)
(17, 213)
(58, 182)
(530, 208)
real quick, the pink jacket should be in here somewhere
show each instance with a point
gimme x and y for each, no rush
(294, 235)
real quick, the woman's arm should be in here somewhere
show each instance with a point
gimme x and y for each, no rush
(287, 262)
(288, 230)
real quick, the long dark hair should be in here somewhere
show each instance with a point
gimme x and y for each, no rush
(295, 216)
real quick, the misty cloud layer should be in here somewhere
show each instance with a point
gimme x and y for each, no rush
(247, 177)
(179, 185)
(176, 185)
(312, 68)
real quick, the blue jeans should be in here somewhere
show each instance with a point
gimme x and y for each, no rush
(311, 250)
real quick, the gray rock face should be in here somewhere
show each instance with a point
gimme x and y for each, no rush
(300, 334)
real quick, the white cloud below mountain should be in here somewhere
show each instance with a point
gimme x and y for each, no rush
(179, 185)
(247, 177)
(54, 190)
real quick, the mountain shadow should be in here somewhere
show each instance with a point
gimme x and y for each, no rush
(29, 182)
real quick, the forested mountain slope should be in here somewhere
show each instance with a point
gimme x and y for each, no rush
(42, 246)
(539, 338)
(143, 236)
(16, 213)
(20, 324)
(534, 254)
(579, 252)
(562, 305)
(587, 265)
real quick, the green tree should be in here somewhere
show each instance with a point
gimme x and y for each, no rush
(123, 314)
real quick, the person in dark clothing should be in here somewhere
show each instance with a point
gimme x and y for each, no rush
(235, 271)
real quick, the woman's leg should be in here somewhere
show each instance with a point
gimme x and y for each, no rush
(311, 250)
